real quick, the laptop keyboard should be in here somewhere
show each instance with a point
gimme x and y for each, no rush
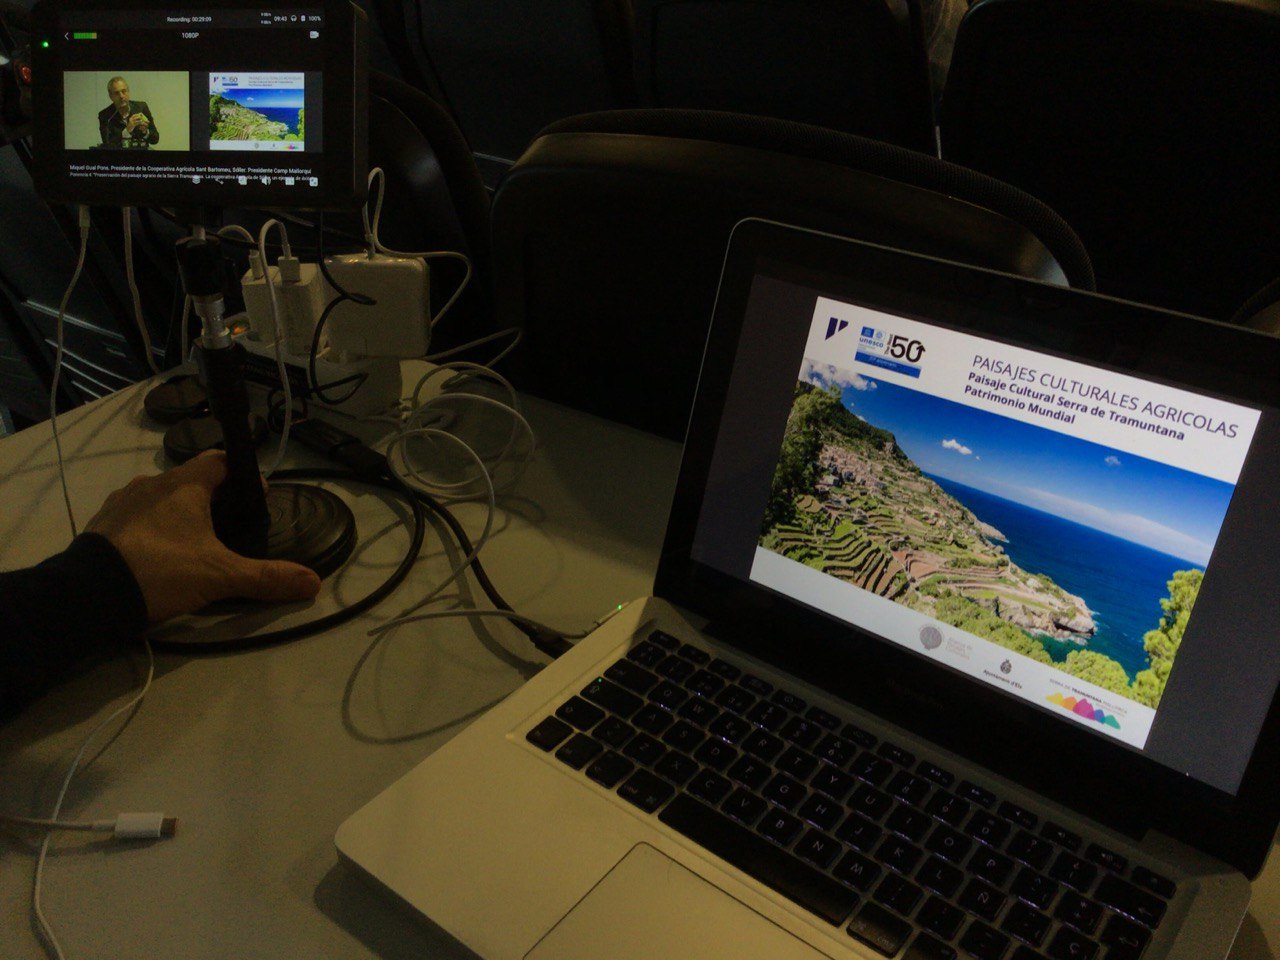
(899, 851)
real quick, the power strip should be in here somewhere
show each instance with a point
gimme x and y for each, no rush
(379, 390)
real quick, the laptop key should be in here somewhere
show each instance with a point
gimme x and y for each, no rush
(613, 732)
(836, 751)
(646, 654)
(940, 917)
(988, 828)
(1125, 939)
(789, 701)
(862, 738)
(1035, 888)
(683, 736)
(705, 684)
(908, 788)
(909, 822)
(698, 711)
(609, 769)
(818, 848)
(612, 697)
(947, 807)
(768, 715)
(548, 733)
(675, 668)
(1026, 923)
(1107, 859)
(752, 854)
(879, 929)
(729, 726)
(581, 714)
(975, 794)
(803, 733)
(857, 871)
(780, 827)
(735, 699)
(1124, 897)
(1060, 835)
(744, 806)
(1080, 912)
(943, 778)
(869, 802)
(859, 832)
(1067, 944)
(875, 770)
(1160, 886)
(646, 790)
(668, 694)
(694, 654)
(644, 749)
(1016, 814)
(579, 751)
(784, 791)
(796, 763)
(948, 844)
(894, 753)
(750, 772)
(899, 854)
(992, 867)
(983, 943)
(823, 718)
(665, 640)
(632, 676)
(1031, 850)
(715, 753)
(832, 782)
(822, 812)
(722, 668)
(676, 767)
(764, 745)
(709, 786)
(940, 876)
(926, 947)
(761, 688)
(651, 718)
(982, 900)
(1074, 872)
(898, 894)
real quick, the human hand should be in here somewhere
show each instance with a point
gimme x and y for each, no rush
(163, 527)
(136, 120)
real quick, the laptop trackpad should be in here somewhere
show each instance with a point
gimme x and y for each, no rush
(650, 906)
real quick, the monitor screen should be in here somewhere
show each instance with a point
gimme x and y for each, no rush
(145, 103)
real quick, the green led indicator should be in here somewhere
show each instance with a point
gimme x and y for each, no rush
(45, 44)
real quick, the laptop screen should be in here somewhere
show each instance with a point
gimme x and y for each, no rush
(1018, 493)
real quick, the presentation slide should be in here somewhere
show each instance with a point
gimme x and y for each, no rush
(257, 111)
(1036, 523)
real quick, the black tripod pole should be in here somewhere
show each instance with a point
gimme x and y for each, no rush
(240, 516)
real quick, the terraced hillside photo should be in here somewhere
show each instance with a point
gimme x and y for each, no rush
(847, 501)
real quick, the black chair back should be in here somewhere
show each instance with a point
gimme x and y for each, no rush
(1152, 126)
(609, 234)
(850, 65)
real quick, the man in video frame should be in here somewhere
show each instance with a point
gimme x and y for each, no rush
(126, 123)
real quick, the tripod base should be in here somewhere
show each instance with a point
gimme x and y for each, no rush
(310, 526)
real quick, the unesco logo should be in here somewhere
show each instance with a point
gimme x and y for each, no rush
(930, 638)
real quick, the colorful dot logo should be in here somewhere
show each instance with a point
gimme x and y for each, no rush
(1083, 708)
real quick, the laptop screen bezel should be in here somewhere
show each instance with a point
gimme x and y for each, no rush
(1099, 779)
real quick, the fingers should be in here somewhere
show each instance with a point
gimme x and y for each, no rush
(274, 580)
(208, 469)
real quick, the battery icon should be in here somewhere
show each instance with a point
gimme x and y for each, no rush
(84, 35)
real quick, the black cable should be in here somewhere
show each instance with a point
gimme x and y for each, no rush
(549, 642)
(286, 634)
(359, 298)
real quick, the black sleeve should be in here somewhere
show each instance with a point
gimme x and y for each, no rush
(53, 615)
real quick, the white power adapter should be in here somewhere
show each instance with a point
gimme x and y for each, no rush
(300, 298)
(398, 325)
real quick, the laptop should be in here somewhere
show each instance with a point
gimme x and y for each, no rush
(961, 645)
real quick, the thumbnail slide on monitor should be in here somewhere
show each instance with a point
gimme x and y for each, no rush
(1033, 522)
(156, 103)
(257, 111)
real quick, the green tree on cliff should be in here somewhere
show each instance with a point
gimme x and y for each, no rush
(1098, 669)
(1162, 643)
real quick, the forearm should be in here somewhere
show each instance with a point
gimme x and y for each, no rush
(55, 614)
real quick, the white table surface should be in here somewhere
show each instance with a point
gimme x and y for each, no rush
(262, 754)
